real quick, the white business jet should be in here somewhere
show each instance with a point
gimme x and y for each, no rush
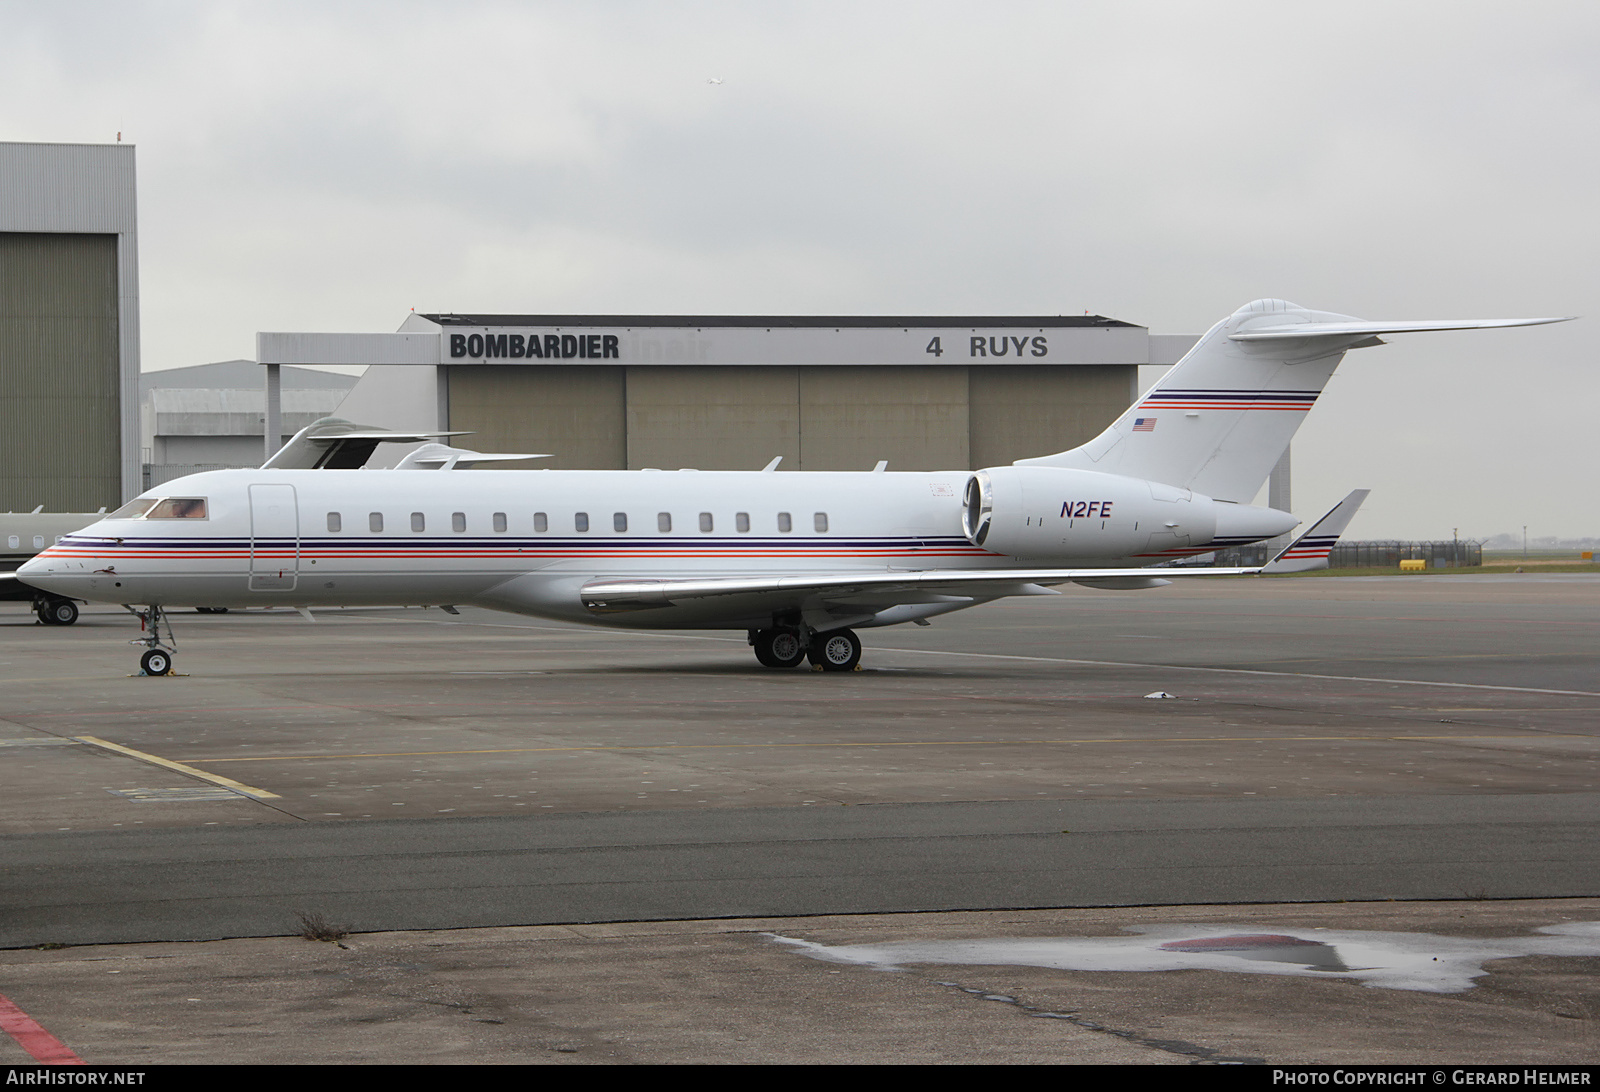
(799, 560)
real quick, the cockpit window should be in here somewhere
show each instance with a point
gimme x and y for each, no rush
(178, 508)
(162, 508)
(134, 508)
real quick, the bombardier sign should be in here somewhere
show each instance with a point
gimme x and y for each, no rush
(490, 346)
(743, 341)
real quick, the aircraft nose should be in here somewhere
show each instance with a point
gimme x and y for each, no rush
(47, 574)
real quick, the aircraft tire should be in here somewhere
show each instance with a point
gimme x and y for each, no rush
(780, 649)
(836, 651)
(157, 661)
(59, 612)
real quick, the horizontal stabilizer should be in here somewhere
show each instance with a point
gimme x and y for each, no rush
(336, 444)
(444, 457)
(1304, 330)
(1310, 551)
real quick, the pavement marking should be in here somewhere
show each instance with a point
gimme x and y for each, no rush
(42, 741)
(215, 779)
(1540, 736)
(43, 1047)
(174, 796)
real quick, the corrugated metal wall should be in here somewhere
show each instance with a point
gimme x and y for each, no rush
(825, 417)
(60, 414)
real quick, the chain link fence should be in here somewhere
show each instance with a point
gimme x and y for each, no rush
(1455, 554)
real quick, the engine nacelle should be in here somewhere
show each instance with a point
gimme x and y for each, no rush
(1053, 512)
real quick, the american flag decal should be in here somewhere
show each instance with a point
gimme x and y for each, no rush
(1144, 424)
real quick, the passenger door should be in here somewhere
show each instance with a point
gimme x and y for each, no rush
(274, 538)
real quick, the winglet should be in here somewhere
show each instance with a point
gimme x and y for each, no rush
(1310, 551)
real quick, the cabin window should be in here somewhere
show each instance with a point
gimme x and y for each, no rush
(134, 508)
(742, 521)
(705, 521)
(580, 520)
(333, 521)
(784, 522)
(820, 521)
(38, 542)
(541, 522)
(619, 521)
(374, 521)
(14, 542)
(178, 508)
(458, 521)
(499, 521)
(663, 522)
(417, 522)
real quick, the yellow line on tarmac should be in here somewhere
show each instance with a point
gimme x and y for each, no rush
(904, 743)
(215, 779)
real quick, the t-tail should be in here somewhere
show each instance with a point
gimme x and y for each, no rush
(1222, 417)
(1310, 551)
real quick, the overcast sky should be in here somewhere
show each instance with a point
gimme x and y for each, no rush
(330, 166)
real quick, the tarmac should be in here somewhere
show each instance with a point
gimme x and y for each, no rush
(561, 844)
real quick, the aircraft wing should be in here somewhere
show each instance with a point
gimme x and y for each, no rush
(614, 596)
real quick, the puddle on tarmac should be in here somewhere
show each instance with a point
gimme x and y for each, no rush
(1396, 961)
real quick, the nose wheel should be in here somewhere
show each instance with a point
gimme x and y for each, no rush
(53, 611)
(157, 657)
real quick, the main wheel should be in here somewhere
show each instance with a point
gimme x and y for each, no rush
(836, 651)
(59, 612)
(779, 648)
(158, 661)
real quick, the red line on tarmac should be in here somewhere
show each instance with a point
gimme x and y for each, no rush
(45, 1048)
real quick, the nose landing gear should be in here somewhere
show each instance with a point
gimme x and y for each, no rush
(55, 611)
(157, 659)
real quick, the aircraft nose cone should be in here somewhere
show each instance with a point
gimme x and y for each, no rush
(46, 574)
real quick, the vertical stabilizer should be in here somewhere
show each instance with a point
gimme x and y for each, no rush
(1221, 418)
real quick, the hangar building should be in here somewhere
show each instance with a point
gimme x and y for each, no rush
(69, 326)
(732, 392)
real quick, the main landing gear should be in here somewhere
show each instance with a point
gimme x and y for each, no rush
(838, 650)
(157, 658)
(55, 611)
